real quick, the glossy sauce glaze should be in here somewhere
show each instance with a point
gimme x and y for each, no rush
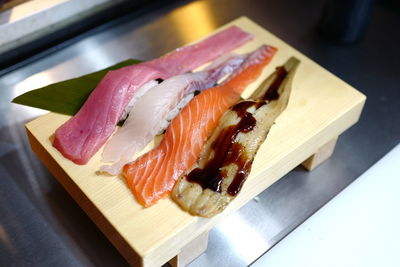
(272, 92)
(228, 151)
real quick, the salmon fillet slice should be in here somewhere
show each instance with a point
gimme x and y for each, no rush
(153, 175)
(79, 138)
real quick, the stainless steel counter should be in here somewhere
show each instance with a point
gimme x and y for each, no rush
(41, 225)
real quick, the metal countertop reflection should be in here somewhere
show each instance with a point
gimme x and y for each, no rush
(40, 224)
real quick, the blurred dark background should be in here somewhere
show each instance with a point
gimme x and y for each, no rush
(339, 21)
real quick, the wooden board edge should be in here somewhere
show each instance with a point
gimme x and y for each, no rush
(345, 120)
(152, 258)
(246, 19)
(340, 125)
(130, 255)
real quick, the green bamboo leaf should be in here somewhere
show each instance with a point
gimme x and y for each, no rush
(68, 96)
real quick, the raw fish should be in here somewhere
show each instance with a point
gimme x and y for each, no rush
(150, 113)
(153, 175)
(226, 159)
(82, 136)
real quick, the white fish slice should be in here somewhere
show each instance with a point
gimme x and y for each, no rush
(152, 112)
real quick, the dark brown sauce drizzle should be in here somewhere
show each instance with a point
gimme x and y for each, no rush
(272, 92)
(227, 151)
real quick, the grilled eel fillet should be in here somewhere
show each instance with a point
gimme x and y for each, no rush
(226, 159)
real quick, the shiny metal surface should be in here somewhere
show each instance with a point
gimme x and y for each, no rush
(41, 225)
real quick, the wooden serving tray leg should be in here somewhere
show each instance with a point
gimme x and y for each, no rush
(322, 154)
(112, 207)
(191, 251)
(195, 248)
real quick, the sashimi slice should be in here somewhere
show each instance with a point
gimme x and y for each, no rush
(150, 112)
(82, 136)
(153, 175)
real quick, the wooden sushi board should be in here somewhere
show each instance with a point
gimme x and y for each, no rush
(320, 109)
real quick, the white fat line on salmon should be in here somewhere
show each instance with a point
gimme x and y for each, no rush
(153, 175)
(80, 137)
(225, 160)
(157, 105)
(234, 60)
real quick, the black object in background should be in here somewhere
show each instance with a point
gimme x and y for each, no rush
(345, 21)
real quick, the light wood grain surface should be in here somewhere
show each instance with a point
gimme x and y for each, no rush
(321, 108)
